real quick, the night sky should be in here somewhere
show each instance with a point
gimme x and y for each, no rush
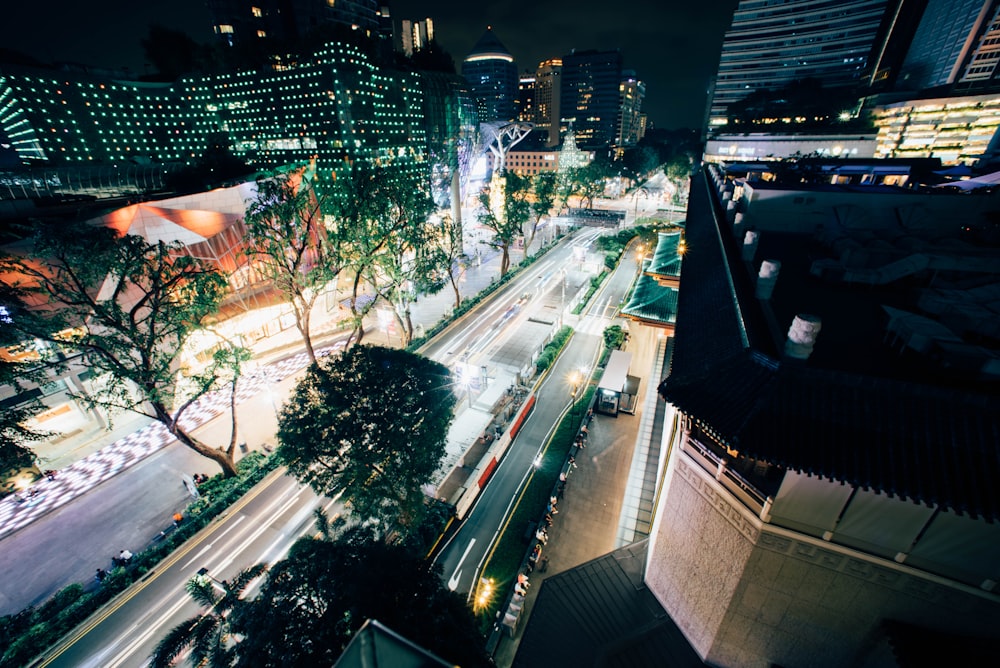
(673, 45)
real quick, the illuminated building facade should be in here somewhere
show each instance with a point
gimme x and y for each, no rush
(772, 43)
(337, 106)
(590, 96)
(548, 83)
(954, 129)
(631, 92)
(416, 35)
(526, 89)
(451, 121)
(492, 75)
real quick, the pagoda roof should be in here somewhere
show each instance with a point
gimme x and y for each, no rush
(918, 439)
(651, 302)
(666, 259)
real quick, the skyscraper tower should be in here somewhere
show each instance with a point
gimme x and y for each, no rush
(416, 35)
(548, 79)
(590, 97)
(943, 42)
(526, 98)
(772, 43)
(492, 75)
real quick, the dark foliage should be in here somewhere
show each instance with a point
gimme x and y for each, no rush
(312, 603)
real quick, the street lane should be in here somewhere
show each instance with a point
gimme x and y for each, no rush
(259, 528)
(465, 554)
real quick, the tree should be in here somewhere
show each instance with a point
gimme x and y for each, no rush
(543, 189)
(506, 224)
(16, 434)
(407, 264)
(312, 603)
(371, 423)
(208, 635)
(614, 337)
(16, 437)
(451, 257)
(291, 246)
(372, 208)
(590, 179)
(128, 306)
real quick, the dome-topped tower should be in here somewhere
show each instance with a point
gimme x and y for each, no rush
(492, 75)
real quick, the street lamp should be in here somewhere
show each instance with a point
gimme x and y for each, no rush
(576, 385)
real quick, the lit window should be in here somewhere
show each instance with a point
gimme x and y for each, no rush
(222, 29)
(256, 12)
(261, 33)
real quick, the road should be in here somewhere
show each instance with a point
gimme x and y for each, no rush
(263, 525)
(259, 528)
(465, 554)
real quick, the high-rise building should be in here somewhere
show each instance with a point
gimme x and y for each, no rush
(948, 33)
(244, 21)
(590, 96)
(548, 80)
(631, 91)
(492, 75)
(772, 43)
(981, 68)
(525, 104)
(416, 35)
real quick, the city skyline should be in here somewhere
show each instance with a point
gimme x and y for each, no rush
(673, 46)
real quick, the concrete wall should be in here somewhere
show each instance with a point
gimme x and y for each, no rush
(746, 593)
(802, 211)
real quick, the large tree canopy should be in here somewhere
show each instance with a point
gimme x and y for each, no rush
(128, 305)
(371, 423)
(313, 602)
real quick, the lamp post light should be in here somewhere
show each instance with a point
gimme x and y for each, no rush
(576, 385)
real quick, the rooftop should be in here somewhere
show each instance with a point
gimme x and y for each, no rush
(873, 405)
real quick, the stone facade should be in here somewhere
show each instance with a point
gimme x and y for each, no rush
(746, 593)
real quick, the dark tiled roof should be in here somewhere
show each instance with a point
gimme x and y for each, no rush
(666, 261)
(601, 614)
(375, 646)
(927, 443)
(651, 302)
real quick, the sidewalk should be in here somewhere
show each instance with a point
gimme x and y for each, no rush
(85, 460)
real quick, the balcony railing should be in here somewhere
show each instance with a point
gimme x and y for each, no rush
(740, 487)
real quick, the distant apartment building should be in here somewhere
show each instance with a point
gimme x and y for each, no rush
(526, 89)
(416, 35)
(491, 74)
(548, 83)
(532, 162)
(632, 91)
(590, 97)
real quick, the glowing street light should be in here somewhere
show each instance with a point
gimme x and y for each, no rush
(485, 593)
